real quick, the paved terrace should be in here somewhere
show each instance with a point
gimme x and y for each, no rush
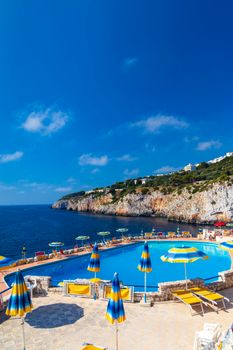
(64, 323)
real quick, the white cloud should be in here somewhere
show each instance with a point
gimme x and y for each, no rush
(4, 187)
(94, 171)
(131, 173)
(71, 180)
(35, 186)
(130, 62)
(89, 159)
(166, 169)
(189, 139)
(205, 145)
(155, 123)
(10, 157)
(63, 189)
(150, 148)
(126, 158)
(45, 121)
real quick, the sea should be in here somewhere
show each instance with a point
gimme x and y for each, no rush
(35, 226)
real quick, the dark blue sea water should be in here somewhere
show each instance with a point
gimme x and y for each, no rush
(37, 225)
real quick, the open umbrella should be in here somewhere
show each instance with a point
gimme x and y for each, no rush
(20, 302)
(115, 310)
(4, 260)
(183, 255)
(219, 224)
(145, 265)
(103, 234)
(56, 244)
(228, 245)
(82, 238)
(122, 230)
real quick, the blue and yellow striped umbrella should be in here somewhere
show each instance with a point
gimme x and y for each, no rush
(94, 264)
(145, 265)
(145, 262)
(183, 255)
(228, 245)
(20, 301)
(4, 260)
(115, 310)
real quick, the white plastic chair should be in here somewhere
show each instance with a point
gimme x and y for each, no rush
(208, 337)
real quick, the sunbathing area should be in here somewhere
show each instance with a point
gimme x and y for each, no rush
(65, 323)
(72, 312)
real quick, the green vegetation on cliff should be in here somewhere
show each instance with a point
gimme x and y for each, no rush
(198, 180)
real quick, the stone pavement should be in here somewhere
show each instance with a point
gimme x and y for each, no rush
(64, 323)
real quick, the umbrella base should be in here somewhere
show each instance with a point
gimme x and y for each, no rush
(148, 303)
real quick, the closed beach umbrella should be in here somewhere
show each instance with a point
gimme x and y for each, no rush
(20, 302)
(56, 244)
(115, 310)
(94, 264)
(145, 265)
(82, 238)
(183, 255)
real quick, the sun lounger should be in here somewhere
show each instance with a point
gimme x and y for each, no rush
(186, 234)
(39, 256)
(78, 289)
(87, 346)
(171, 234)
(148, 235)
(209, 296)
(189, 299)
(127, 293)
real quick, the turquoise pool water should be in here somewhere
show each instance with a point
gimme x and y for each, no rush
(125, 259)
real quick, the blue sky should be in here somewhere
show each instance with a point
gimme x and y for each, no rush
(94, 92)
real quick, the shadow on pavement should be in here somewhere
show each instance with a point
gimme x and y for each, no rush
(54, 315)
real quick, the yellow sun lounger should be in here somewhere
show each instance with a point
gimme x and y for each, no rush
(171, 234)
(209, 296)
(127, 293)
(82, 290)
(92, 347)
(189, 299)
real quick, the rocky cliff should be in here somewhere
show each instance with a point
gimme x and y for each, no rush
(213, 203)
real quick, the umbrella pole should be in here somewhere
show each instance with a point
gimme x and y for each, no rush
(145, 287)
(117, 335)
(22, 323)
(185, 275)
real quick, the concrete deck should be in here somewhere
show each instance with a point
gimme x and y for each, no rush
(64, 323)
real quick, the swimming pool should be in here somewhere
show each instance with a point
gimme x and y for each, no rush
(125, 259)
